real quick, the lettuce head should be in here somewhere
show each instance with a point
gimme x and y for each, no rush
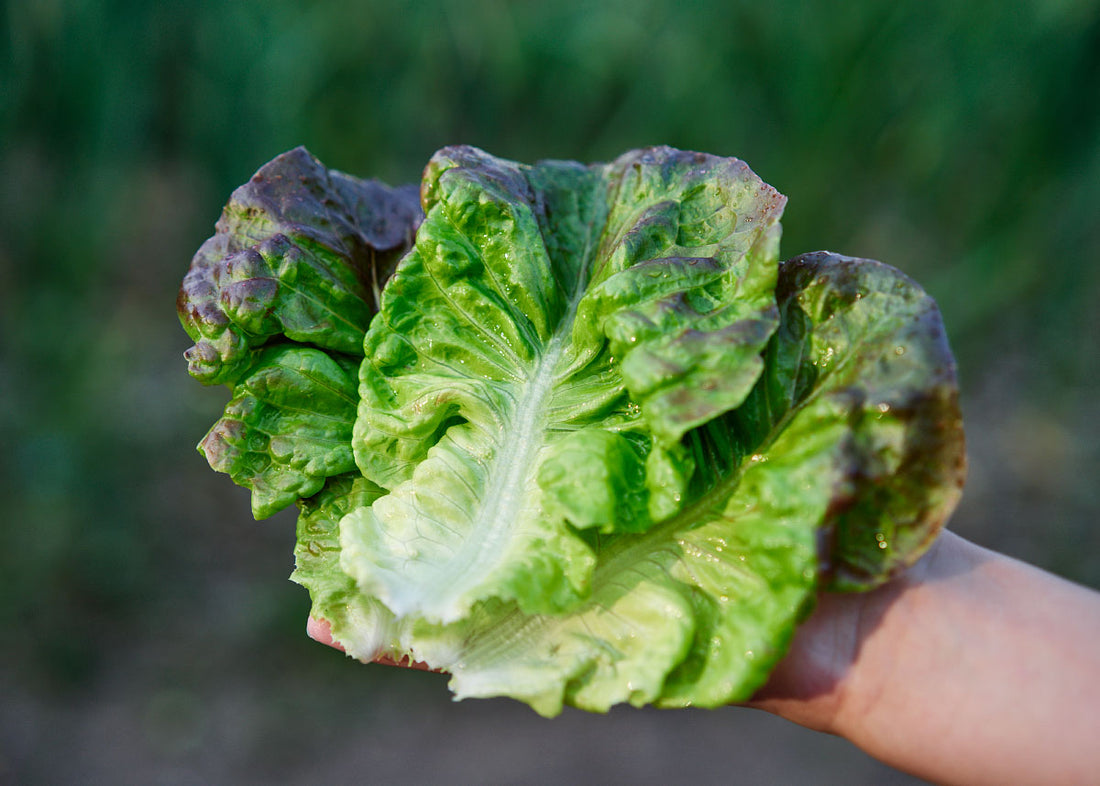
(571, 433)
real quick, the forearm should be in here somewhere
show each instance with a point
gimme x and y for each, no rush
(972, 668)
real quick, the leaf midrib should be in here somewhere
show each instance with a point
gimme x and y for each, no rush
(522, 440)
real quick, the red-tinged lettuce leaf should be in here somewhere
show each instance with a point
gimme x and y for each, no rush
(278, 302)
(907, 457)
(861, 350)
(300, 253)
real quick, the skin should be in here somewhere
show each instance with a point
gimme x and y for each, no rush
(969, 668)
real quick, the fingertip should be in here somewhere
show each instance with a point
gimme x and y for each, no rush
(320, 631)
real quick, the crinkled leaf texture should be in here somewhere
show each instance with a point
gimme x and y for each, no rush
(602, 446)
(288, 425)
(277, 303)
(548, 316)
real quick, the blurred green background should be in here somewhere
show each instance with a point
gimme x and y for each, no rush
(149, 632)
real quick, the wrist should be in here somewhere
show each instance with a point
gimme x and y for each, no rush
(882, 632)
(843, 656)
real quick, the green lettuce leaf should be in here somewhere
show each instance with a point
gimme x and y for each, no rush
(359, 623)
(288, 425)
(548, 314)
